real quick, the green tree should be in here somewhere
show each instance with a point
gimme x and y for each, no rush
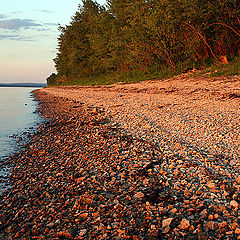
(146, 35)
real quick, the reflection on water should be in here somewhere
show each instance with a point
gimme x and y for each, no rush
(17, 115)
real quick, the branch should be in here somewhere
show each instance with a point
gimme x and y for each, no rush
(205, 41)
(238, 20)
(223, 24)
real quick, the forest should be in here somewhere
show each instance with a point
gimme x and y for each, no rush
(136, 38)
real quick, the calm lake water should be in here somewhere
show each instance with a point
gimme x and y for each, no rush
(17, 116)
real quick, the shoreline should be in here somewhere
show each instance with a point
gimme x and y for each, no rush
(16, 135)
(85, 177)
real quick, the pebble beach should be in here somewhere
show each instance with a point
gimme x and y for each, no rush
(148, 160)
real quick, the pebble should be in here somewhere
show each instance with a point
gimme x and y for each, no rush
(166, 225)
(234, 203)
(139, 195)
(170, 172)
(211, 185)
(211, 225)
(184, 225)
(237, 231)
(238, 179)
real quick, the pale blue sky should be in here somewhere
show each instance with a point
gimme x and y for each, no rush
(28, 37)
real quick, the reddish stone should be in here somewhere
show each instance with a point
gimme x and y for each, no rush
(211, 225)
(233, 203)
(139, 195)
(165, 225)
(184, 225)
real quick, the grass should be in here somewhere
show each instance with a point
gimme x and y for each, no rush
(120, 77)
(213, 70)
(219, 69)
(231, 69)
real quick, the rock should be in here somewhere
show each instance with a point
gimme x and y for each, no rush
(211, 185)
(87, 201)
(184, 225)
(233, 162)
(166, 225)
(204, 212)
(35, 233)
(50, 225)
(222, 224)
(233, 226)
(234, 204)
(202, 236)
(17, 235)
(174, 210)
(58, 221)
(222, 230)
(191, 228)
(166, 230)
(80, 180)
(238, 179)
(210, 217)
(82, 232)
(211, 225)
(83, 215)
(237, 231)
(64, 234)
(139, 195)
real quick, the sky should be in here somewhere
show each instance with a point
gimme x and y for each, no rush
(28, 37)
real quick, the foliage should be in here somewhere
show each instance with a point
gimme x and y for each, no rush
(231, 69)
(52, 79)
(137, 39)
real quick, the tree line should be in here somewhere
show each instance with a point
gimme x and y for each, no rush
(146, 35)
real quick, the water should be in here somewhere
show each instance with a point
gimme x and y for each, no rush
(17, 108)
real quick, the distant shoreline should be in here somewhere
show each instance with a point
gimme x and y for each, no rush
(23, 85)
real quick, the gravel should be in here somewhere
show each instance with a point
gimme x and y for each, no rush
(152, 160)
